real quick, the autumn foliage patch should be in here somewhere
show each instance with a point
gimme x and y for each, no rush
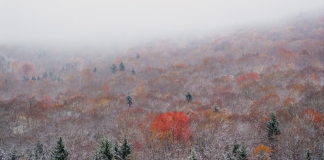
(171, 126)
(250, 76)
(314, 115)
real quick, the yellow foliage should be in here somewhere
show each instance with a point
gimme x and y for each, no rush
(70, 77)
(290, 29)
(213, 117)
(103, 102)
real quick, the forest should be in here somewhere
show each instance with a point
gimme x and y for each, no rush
(252, 93)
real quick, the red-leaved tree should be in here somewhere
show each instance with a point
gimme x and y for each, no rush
(171, 126)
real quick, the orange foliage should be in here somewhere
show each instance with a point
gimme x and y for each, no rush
(315, 77)
(288, 102)
(296, 87)
(76, 98)
(261, 150)
(172, 126)
(180, 65)
(250, 76)
(140, 90)
(314, 115)
(271, 96)
(58, 106)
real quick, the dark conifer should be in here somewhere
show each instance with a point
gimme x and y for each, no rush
(125, 150)
(193, 155)
(103, 152)
(116, 151)
(273, 127)
(59, 152)
(308, 155)
(38, 152)
(188, 97)
(129, 100)
(236, 148)
(14, 154)
(242, 154)
(113, 68)
(121, 66)
(215, 108)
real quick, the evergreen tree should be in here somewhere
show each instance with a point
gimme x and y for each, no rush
(273, 127)
(193, 155)
(235, 149)
(125, 150)
(129, 100)
(116, 151)
(308, 155)
(121, 66)
(59, 152)
(133, 71)
(14, 154)
(188, 97)
(96, 156)
(227, 154)
(215, 108)
(242, 153)
(38, 152)
(104, 152)
(113, 68)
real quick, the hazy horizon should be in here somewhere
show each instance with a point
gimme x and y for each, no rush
(128, 22)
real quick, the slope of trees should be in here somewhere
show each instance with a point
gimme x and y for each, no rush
(235, 81)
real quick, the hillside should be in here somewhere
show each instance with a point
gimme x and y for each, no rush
(236, 81)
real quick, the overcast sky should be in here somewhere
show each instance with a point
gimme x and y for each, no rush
(92, 21)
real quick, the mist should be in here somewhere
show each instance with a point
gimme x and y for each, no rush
(115, 23)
